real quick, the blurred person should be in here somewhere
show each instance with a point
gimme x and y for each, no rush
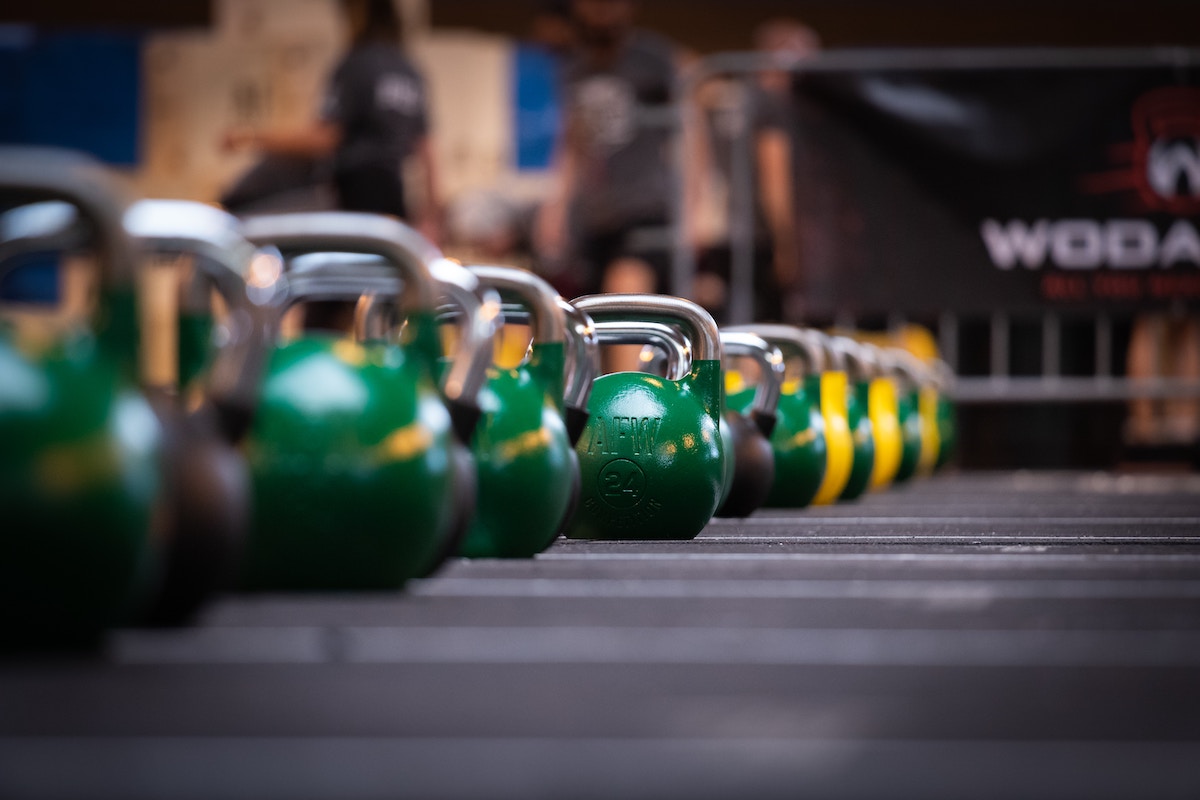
(768, 107)
(610, 212)
(373, 119)
(1164, 346)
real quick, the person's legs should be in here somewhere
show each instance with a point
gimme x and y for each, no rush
(1143, 361)
(710, 286)
(626, 275)
(1182, 357)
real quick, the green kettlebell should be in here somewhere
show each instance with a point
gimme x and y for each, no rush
(908, 379)
(352, 448)
(506, 450)
(96, 481)
(370, 283)
(858, 371)
(748, 435)
(79, 475)
(206, 478)
(798, 440)
(651, 458)
(522, 448)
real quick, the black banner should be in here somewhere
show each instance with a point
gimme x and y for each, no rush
(999, 189)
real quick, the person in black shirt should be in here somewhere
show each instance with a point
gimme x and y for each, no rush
(372, 121)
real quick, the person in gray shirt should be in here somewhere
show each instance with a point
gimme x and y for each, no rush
(372, 121)
(611, 206)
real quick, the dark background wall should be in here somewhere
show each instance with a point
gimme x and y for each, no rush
(709, 25)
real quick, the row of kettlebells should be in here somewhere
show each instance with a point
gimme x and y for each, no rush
(328, 462)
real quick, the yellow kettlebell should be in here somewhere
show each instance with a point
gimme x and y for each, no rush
(883, 408)
(833, 387)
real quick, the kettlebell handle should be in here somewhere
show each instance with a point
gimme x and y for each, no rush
(224, 257)
(476, 340)
(875, 359)
(854, 356)
(582, 367)
(549, 324)
(50, 173)
(582, 363)
(698, 325)
(314, 277)
(908, 368)
(943, 376)
(771, 370)
(803, 342)
(666, 339)
(406, 251)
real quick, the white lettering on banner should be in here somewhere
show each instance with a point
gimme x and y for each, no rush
(1008, 244)
(1181, 244)
(1170, 161)
(1077, 244)
(1131, 243)
(1085, 244)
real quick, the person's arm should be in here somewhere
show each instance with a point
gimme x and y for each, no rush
(774, 151)
(550, 229)
(317, 140)
(429, 222)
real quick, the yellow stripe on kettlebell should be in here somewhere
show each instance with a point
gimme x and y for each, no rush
(734, 381)
(839, 442)
(883, 409)
(931, 439)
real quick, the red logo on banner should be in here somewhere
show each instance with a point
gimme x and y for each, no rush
(1162, 163)
(1166, 149)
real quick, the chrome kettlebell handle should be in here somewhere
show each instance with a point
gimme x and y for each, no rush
(835, 358)
(475, 348)
(548, 321)
(582, 365)
(666, 340)
(771, 368)
(405, 250)
(792, 341)
(698, 325)
(854, 356)
(224, 257)
(876, 360)
(942, 375)
(49, 173)
(333, 276)
(908, 368)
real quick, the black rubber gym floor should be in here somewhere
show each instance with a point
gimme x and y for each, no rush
(981, 635)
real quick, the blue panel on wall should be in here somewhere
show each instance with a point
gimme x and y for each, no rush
(537, 116)
(68, 89)
(35, 280)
